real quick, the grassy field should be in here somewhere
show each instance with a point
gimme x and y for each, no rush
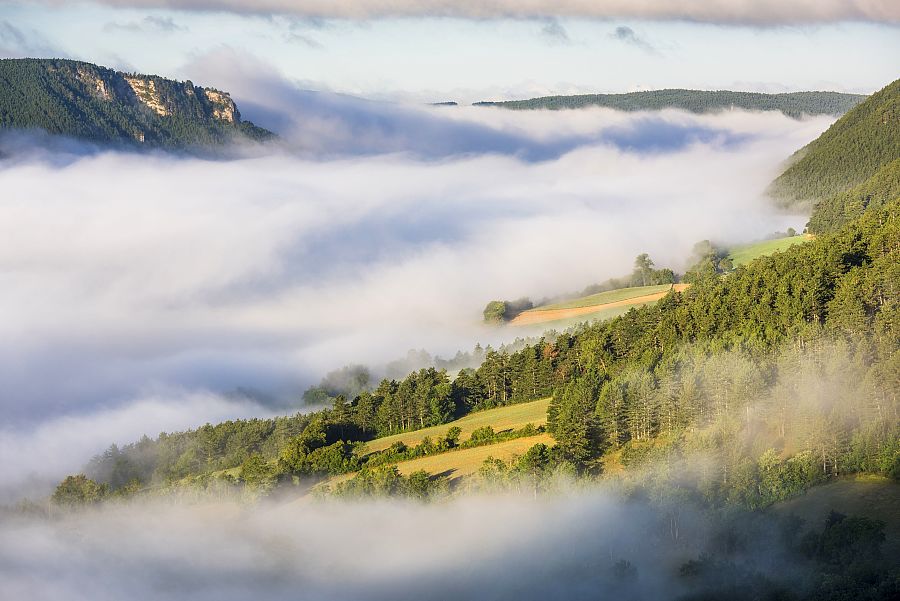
(603, 298)
(511, 417)
(870, 496)
(600, 314)
(743, 254)
(604, 305)
(465, 462)
(458, 464)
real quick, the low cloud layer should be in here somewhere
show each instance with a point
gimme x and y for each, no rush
(761, 12)
(374, 229)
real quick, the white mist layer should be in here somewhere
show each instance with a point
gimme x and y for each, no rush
(124, 273)
(477, 547)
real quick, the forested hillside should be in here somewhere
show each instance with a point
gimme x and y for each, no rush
(853, 150)
(789, 364)
(94, 103)
(833, 212)
(793, 104)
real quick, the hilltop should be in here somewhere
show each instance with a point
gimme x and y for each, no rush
(94, 103)
(792, 104)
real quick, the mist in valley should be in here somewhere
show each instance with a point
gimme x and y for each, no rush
(577, 545)
(133, 276)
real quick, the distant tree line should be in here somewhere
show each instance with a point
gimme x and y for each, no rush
(792, 104)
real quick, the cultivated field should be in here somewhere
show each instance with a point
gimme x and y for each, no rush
(604, 304)
(465, 462)
(512, 417)
(743, 254)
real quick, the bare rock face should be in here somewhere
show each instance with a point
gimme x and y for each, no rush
(145, 91)
(96, 82)
(223, 106)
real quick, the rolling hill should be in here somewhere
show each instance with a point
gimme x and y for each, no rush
(793, 104)
(89, 102)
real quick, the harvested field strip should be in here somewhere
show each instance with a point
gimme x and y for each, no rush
(544, 315)
(510, 417)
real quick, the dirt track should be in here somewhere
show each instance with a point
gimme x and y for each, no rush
(540, 316)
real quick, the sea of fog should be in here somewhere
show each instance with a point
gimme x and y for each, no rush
(148, 292)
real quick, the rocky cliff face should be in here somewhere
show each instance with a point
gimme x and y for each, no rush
(162, 96)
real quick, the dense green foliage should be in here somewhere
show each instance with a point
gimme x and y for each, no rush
(850, 152)
(77, 491)
(386, 480)
(498, 311)
(793, 104)
(831, 213)
(94, 103)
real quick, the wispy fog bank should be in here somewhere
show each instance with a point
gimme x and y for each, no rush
(477, 547)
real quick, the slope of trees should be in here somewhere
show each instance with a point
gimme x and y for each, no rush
(94, 103)
(851, 151)
(793, 104)
(830, 214)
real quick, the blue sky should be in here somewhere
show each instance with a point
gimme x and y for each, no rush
(435, 58)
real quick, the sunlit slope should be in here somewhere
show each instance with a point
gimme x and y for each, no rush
(458, 464)
(596, 305)
(741, 255)
(851, 151)
(512, 417)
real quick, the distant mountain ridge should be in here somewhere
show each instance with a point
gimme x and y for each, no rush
(792, 104)
(90, 102)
